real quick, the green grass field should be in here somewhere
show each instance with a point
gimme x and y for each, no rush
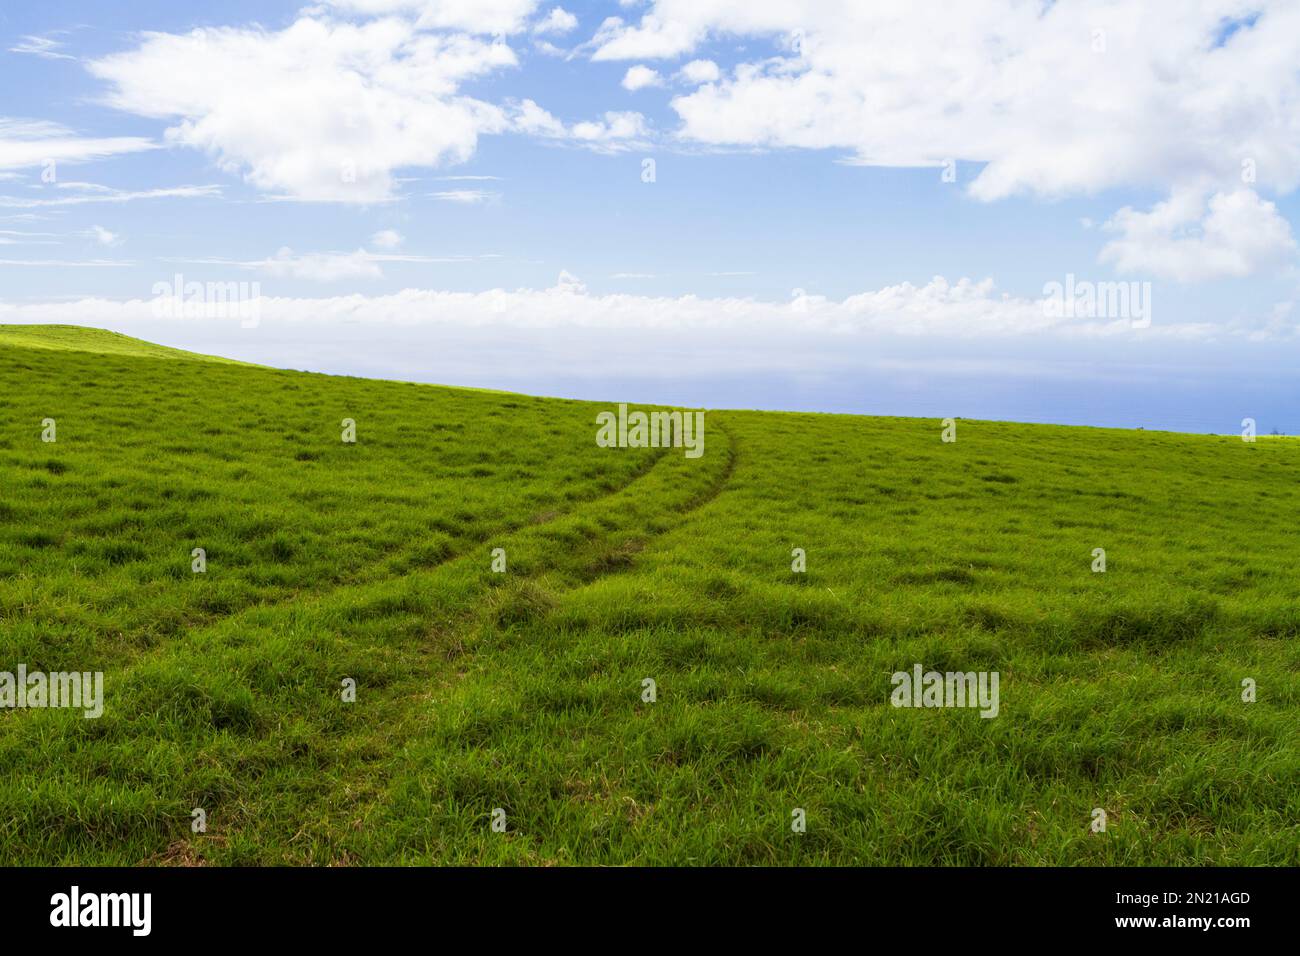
(523, 690)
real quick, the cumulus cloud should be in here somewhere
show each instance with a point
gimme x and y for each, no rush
(670, 33)
(531, 118)
(568, 284)
(937, 310)
(328, 110)
(386, 239)
(1071, 97)
(1191, 239)
(320, 110)
(700, 71)
(616, 131)
(557, 21)
(639, 77)
(1043, 99)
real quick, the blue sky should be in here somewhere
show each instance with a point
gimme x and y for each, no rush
(785, 254)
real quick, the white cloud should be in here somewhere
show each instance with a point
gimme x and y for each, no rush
(558, 20)
(532, 119)
(1015, 86)
(103, 236)
(1040, 99)
(386, 239)
(323, 266)
(1185, 238)
(42, 46)
(472, 16)
(14, 237)
(321, 110)
(29, 143)
(939, 310)
(567, 284)
(466, 197)
(93, 193)
(639, 77)
(700, 71)
(657, 36)
(84, 186)
(616, 131)
(330, 111)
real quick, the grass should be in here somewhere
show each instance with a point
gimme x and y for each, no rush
(523, 691)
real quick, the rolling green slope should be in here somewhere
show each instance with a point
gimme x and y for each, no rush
(525, 691)
(73, 338)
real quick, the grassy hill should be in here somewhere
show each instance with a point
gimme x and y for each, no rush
(73, 338)
(523, 690)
